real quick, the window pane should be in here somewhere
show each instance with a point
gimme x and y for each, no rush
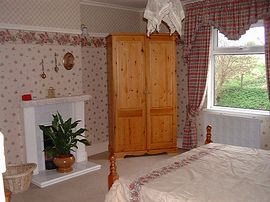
(240, 82)
(253, 37)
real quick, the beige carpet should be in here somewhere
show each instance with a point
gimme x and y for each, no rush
(90, 187)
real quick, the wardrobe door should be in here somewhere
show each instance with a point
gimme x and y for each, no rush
(129, 93)
(161, 91)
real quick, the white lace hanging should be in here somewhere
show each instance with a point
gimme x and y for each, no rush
(169, 11)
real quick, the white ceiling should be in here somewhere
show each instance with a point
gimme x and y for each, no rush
(136, 4)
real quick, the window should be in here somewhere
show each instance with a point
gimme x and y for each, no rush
(237, 77)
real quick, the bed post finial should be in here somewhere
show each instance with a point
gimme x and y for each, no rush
(113, 173)
(208, 134)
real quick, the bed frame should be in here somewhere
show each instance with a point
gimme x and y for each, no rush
(113, 173)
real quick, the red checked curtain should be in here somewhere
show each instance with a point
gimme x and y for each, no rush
(232, 18)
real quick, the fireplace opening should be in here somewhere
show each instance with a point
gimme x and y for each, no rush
(49, 164)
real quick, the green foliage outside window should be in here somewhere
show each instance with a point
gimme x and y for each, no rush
(241, 82)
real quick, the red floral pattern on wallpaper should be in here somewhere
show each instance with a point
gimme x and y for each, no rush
(41, 38)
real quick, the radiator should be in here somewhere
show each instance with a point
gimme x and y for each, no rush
(234, 130)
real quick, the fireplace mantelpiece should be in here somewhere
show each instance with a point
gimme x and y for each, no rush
(39, 112)
(58, 100)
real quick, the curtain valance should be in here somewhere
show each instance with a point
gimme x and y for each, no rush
(232, 17)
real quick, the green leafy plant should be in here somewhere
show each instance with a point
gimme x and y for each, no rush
(62, 136)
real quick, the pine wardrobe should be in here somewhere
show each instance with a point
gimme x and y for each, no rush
(142, 93)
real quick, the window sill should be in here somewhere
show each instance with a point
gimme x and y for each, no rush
(237, 112)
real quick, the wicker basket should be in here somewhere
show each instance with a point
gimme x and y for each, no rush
(17, 178)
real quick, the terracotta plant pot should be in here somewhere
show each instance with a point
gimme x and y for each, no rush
(64, 163)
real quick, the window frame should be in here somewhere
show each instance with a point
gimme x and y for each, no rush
(215, 50)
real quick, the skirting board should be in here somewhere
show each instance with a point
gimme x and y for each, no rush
(179, 142)
(97, 148)
(103, 147)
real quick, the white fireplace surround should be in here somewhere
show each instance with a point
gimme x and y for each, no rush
(39, 112)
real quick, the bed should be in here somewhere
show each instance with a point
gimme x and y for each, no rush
(212, 172)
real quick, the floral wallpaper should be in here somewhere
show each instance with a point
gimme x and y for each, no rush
(265, 133)
(21, 54)
(181, 79)
(95, 83)
(20, 68)
(22, 51)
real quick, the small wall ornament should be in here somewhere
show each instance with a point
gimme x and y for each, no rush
(56, 68)
(51, 92)
(43, 75)
(68, 61)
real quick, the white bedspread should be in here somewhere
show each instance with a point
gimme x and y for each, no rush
(213, 172)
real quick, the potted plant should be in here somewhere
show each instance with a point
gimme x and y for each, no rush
(63, 140)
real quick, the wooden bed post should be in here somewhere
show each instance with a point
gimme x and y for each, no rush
(208, 135)
(113, 173)
(8, 195)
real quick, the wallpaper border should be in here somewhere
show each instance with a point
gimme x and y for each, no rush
(51, 38)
